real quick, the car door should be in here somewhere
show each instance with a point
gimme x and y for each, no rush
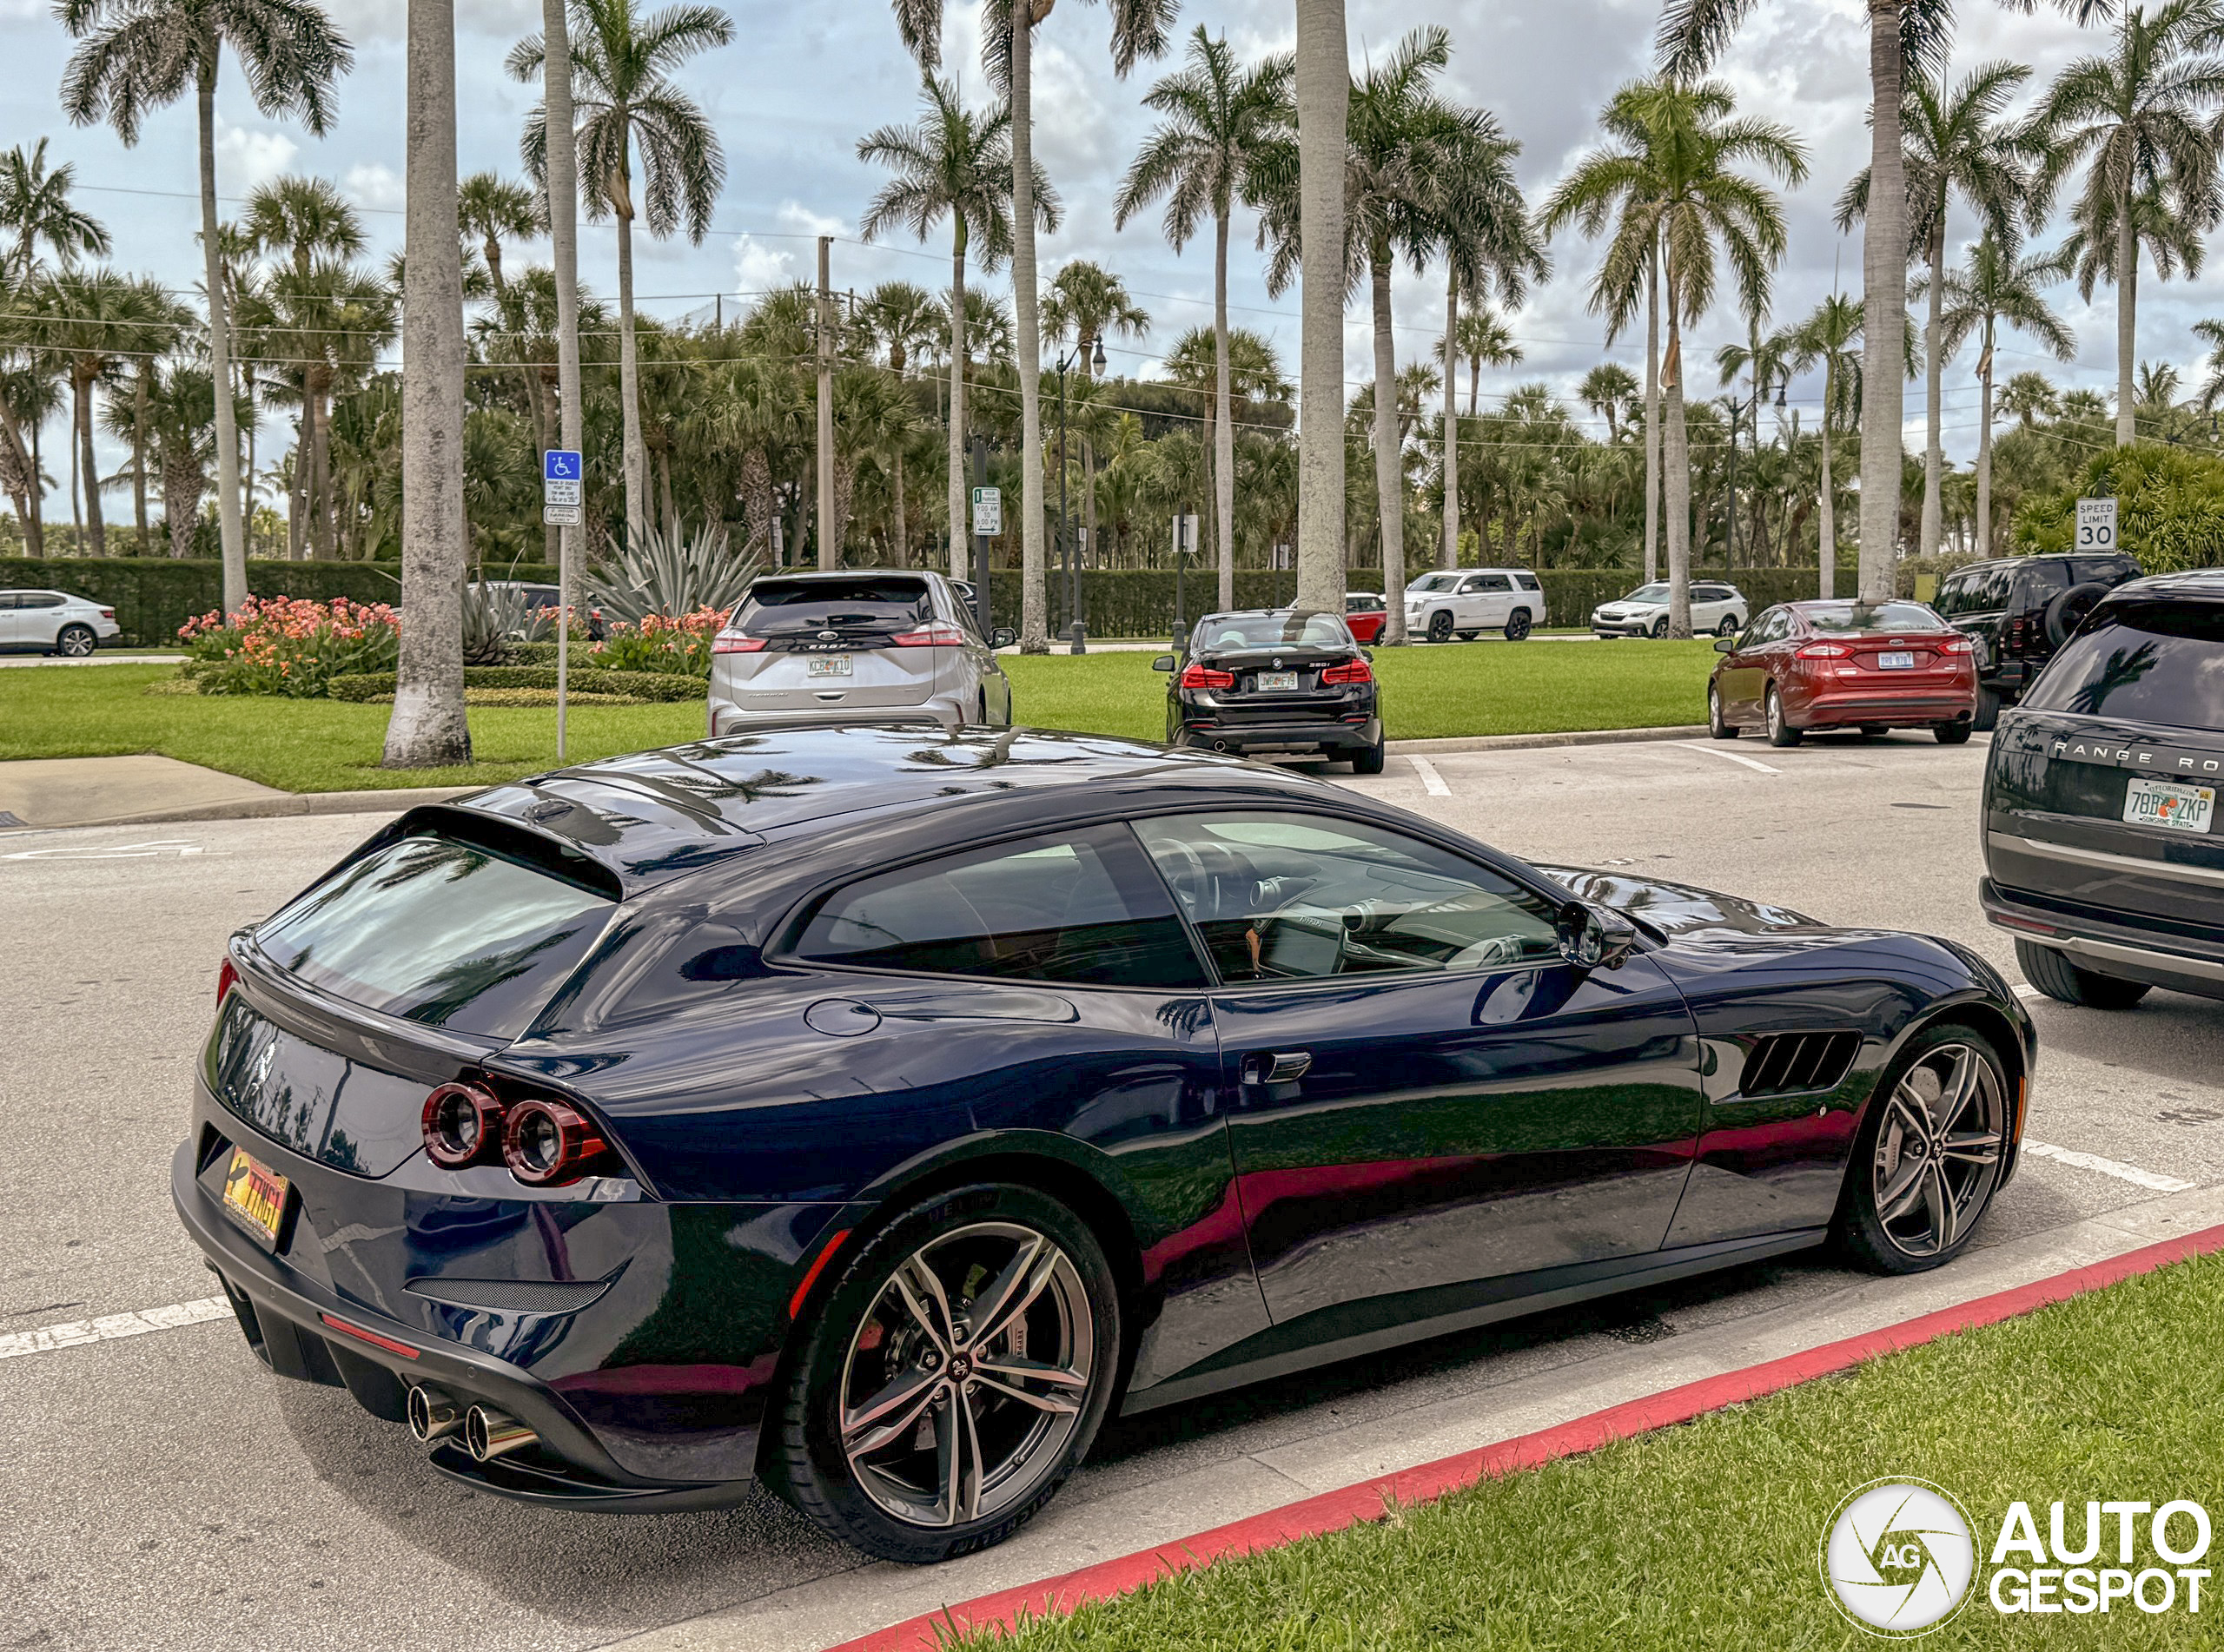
(8, 619)
(1497, 604)
(38, 618)
(1425, 1093)
(1745, 676)
(1706, 607)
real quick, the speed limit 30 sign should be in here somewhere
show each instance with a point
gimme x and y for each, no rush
(2096, 524)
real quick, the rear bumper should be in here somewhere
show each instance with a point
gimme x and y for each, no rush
(1314, 735)
(726, 717)
(2127, 950)
(1917, 706)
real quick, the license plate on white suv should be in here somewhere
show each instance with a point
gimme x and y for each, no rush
(1277, 681)
(829, 666)
(2148, 801)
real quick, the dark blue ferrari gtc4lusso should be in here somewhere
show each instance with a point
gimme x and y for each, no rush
(873, 1110)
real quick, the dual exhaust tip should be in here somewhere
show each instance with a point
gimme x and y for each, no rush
(487, 1433)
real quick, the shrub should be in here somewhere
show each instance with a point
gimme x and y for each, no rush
(291, 647)
(662, 686)
(2169, 507)
(681, 645)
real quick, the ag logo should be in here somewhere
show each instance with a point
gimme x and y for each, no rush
(1898, 1558)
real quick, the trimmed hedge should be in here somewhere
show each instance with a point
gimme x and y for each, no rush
(640, 685)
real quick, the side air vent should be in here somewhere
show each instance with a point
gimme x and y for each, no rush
(510, 1296)
(1784, 1063)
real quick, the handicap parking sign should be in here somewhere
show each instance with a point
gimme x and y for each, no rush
(559, 466)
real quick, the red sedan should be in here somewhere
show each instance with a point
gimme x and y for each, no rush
(1364, 613)
(1807, 665)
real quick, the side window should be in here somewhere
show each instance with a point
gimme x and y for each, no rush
(1764, 629)
(1081, 907)
(1528, 582)
(1279, 897)
(1472, 584)
(1496, 582)
(40, 599)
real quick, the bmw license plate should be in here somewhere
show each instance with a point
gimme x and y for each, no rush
(1274, 681)
(2148, 801)
(829, 666)
(1896, 662)
(255, 1196)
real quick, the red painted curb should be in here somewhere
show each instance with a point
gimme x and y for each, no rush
(1334, 1511)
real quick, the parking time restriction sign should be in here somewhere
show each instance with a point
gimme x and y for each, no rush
(988, 511)
(2096, 524)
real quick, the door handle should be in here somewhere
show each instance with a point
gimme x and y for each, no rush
(1276, 1067)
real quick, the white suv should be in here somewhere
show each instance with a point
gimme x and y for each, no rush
(1716, 608)
(1467, 602)
(53, 621)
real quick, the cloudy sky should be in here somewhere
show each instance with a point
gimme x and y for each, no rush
(790, 98)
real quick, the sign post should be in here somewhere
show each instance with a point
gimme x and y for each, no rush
(988, 522)
(563, 494)
(2096, 524)
(1185, 543)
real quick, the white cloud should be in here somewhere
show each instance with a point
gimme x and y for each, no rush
(368, 20)
(759, 268)
(246, 158)
(377, 187)
(797, 219)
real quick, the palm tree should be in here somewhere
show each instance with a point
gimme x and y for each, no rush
(302, 218)
(1693, 33)
(34, 207)
(428, 728)
(1994, 287)
(1087, 300)
(1219, 118)
(1956, 144)
(909, 324)
(1829, 337)
(955, 163)
(1608, 390)
(332, 318)
(2141, 119)
(182, 422)
(492, 206)
(138, 56)
(1482, 339)
(97, 321)
(625, 97)
(1672, 191)
(1321, 85)
(1764, 362)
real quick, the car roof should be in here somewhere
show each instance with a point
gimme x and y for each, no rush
(651, 817)
(2198, 584)
(812, 576)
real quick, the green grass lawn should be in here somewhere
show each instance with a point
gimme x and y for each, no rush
(1707, 1534)
(319, 745)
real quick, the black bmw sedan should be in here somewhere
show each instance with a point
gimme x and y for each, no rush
(874, 1111)
(1288, 681)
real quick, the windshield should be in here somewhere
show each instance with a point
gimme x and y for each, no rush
(1847, 618)
(1436, 582)
(1219, 633)
(441, 932)
(1648, 593)
(2144, 662)
(869, 602)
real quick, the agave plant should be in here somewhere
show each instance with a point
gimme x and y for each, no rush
(670, 576)
(495, 615)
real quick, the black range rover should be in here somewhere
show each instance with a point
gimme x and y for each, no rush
(2102, 847)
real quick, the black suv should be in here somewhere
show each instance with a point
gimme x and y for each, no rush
(2101, 847)
(2020, 610)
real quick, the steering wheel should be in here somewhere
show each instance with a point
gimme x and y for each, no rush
(1206, 876)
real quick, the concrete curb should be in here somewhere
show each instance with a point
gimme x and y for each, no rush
(391, 800)
(1374, 1499)
(1525, 741)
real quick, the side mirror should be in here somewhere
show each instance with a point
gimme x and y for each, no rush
(1366, 654)
(1725, 644)
(1003, 637)
(1164, 662)
(1596, 937)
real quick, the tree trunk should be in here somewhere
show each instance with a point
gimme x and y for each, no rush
(664, 488)
(1223, 419)
(564, 236)
(2126, 321)
(428, 729)
(247, 481)
(96, 526)
(1088, 501)
(1652, 419)
(1677, 462)
(228, 524)
(1323, 91)
(1934, 369)
(902, 527)
(297, 488)
(960, 563)
(1828, 536)
(181, 488)
(1389, 468)
(1033, 612)
(629, 388)
(34, 526)
(1448, 553)
(139, 452)
(322, 515)
(1884, 311)
(1984, 445)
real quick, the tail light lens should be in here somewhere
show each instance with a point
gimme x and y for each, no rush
(545, 1142)
(1351, 670)
(1823, 651)
(941, 634)
(108, 613)
(227, 978)
(463, 1124)
(1205, 676)
(732, 642)
(1960, 645)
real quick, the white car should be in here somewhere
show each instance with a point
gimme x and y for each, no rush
(1467, 602)
(1716, 608)
(53, 621)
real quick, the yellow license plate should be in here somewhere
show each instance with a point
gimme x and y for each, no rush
(255, 1196)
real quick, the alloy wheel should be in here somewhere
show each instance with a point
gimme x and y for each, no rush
(76, 643)
(968, 1376)
(1938, 1149)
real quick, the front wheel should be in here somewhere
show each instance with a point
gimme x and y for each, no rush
(1781, 733)
(1951, 734)
(2052, 973)
(77, 642)
(1659, 628)
(1440, 628)
(1517, 626)
(1720, 727)
(954, 1377)
(1929, 1154)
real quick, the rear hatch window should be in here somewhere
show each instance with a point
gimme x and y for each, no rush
(870, 604)
(2144, 662)
(435, 930)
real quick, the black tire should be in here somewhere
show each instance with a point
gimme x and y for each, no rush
(2067, 609)
(1516, 626)
(1951, 734)
(1440, 627)
(1369, 760)
(1715, 726)
(814, 1472)
(77, 642)
(2052, 973)
(1891, 1144)
(1728, 627)
(1782, 735)
(1986, 717)
(1659, 628)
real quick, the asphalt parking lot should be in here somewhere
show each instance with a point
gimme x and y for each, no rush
(159, 1490)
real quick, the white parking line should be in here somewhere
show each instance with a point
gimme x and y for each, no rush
(1729, 756)
(1431, 782)
(2131, 1174)
(2024, 989)
(108, 1327)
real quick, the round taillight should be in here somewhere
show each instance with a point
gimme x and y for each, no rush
(463, 1124)
(545, 1141)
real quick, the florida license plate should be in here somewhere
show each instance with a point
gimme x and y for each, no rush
(2148, 801)
(1896, 662)
(1272, 682)
(255, 1196)
(830, 666)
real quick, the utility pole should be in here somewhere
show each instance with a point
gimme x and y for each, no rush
(830, 554)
